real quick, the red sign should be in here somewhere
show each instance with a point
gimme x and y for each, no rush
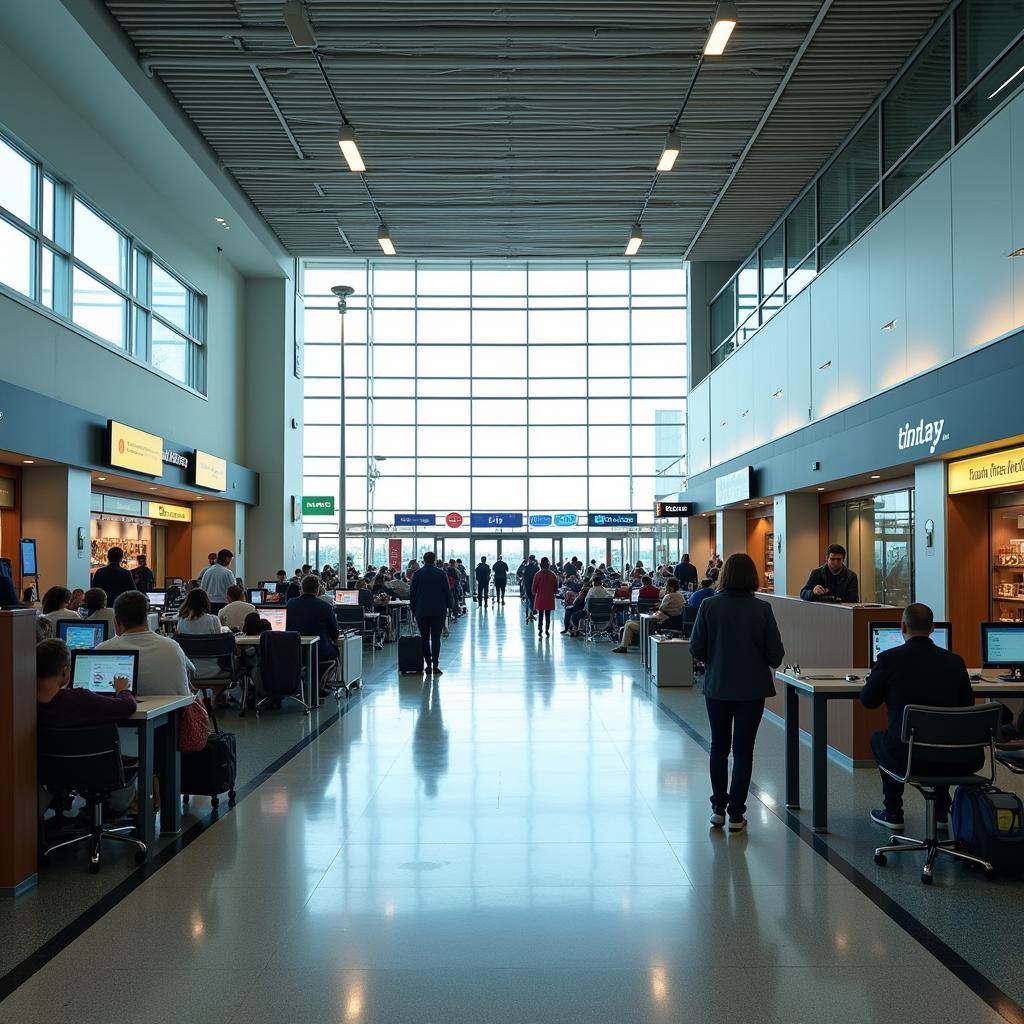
(395, 553)
(454, 520)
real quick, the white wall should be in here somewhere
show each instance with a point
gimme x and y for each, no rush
(936, 264)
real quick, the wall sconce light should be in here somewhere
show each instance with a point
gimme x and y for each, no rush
(890, 326)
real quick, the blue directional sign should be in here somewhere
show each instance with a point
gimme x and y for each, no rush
(495, 520)
(567, 519)
(540, 520)
(413, 519)
(613, 519)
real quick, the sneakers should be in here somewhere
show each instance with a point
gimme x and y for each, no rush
(717, 818)
(737, 824)
(623, 650)
(893, 822)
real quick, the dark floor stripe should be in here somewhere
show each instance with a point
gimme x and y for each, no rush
(977, 982)
(52, 947)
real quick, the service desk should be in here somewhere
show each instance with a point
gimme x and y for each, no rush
(826, 633)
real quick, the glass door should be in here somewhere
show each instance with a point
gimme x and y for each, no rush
(513, 550)
(439, 550)
(481, 547)
(575, 545)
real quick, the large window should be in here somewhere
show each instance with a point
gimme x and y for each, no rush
(62, 253)
(534, 387)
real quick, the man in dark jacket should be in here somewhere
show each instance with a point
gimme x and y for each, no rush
(917, 672)
(308, 615)
(531, 570)
(832, 581)
(113, 579)
(685, 573)
(483, 581)
(500, 580)
(430, 600)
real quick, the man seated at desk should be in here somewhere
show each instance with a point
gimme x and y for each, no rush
(833, 581)
(311, 617)
(917, 672)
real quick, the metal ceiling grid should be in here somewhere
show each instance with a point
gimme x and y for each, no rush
(526, 129)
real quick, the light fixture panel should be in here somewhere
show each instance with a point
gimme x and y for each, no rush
(721, 30)
(299, 27)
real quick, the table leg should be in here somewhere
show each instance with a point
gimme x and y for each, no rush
(792, 747)
(819, 764)
(170, 779)
(147, 819)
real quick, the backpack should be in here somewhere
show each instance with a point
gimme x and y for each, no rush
(990, 824)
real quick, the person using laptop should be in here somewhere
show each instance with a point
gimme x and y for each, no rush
(308, 615)
(163, 668)
(671, 605)
(95, 604)
(916, 672)
(834, 581)
(234, 613)
(55, 607)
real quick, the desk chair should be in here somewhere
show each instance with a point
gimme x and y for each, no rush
(969, 730)
(675, 626)
(600, 621)
(1012, 759)
(88, 762)
(281, 668)
(224, 649)
(352, 616)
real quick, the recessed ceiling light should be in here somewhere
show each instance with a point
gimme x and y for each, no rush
(152, 488)
(821, 488)
(219, 220)
(875, 476)
(29, 462)
(101, 478)
(725, 22)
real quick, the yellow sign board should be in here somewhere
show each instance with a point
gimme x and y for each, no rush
(176, 513)
(995, 471)
(136, 450)
(211, 472)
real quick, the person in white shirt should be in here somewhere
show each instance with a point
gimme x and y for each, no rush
(671, 605)
(597, 590)
(163, 668)
(234, 612)
(196, 619)
(218, 578)
(55, 607)
(95, 604)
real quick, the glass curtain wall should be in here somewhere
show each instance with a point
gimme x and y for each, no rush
(533, 387)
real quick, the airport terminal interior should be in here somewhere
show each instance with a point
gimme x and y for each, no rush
(599, 592)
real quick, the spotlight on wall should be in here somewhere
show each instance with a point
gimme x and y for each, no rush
(636, 239)
(777, 394)
(669, 154)
(825, 365)
(890, 326)
(721, 30)
(1017, 252)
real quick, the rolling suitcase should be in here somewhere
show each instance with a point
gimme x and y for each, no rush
(410, 654)
(211, 771)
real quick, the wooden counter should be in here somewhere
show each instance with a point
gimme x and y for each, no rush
(826, 633)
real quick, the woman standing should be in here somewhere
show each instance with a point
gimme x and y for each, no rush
(737, 638)
(545, 583)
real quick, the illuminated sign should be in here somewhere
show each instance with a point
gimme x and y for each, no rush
(567, 519)
(135, 450)
(987, 472)
(673, 509)
(176, 513)
(483, 520)
(614, 518)
(318, 505)
(414, 519)
(733, 486)
(210, 472)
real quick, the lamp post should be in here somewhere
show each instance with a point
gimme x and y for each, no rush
(342, 293)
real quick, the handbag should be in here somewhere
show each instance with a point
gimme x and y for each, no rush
(193, 726)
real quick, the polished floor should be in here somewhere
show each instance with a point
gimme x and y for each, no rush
(524, 839)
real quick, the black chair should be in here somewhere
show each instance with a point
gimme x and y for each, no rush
(351, 616)
(967, 730)
(221, 647)
(600, 619)
(1012, 759)
(281, 668)
(87, 761)
(646, 605)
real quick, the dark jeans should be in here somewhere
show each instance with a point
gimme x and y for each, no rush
(499, 588)
(575, 616)
(544, 620)
(892, 791)
(734, 725)
(430, 631)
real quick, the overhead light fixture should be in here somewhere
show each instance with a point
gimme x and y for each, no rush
(825, 365)
(29, 462)
(636, 239)
(890, 326)
(821, 488)
(875, 476)
(299, 27)
(219, 220)
(101, 478)
(1017, 252)
(350, 150)
(1007, 82)
(669, 153)
(384, 240)
(725, 22)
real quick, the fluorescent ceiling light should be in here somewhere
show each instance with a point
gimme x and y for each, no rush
(636, 239)
(349, 149)
(299, 28)
(384, 240)
(725, 22)
(669, 153)
(1007, 82)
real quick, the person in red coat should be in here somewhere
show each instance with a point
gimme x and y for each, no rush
(545, 583)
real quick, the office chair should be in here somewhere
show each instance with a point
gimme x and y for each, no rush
(222, 647)
(281, 668)
(600, 621)
(352, 616)
(968, 730)
(88, 762)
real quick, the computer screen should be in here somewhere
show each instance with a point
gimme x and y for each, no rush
(270, 585)
(156, 598)
(887, 635)
(1002, 644)
(173, 581)
(634, 594)
(346, 597)
(257, 596)
(82, 635)
(96, 670)
(275, 616)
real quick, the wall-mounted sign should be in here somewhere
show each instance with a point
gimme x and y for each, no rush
(454, 520)
(567, 519)
(173, 458)
(734, 486)
(318, 505)
(210, 472)
(997, 470)
(114, 504)
(614, 519)
(924, 432)
(540, 520)
(175, 513)
(496, 520)
(673, 509)
(135, 449)
(395, 553)
(414, 519)
(6, 492)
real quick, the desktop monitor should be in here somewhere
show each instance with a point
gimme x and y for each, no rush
(82, 636)
(156, 598)
(346, 597)
(275, 616)
(257, 596)
(1002, 646)
(173, 581)
(634, 595)
(96, 670)
(268, 585)
(886, 635)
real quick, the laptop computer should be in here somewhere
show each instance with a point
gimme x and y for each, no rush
(96, 670)
(275, 616)
(82, 636)
(156, 598)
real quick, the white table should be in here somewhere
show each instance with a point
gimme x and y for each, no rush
(821, 685)
(150, 714)
(310, 663)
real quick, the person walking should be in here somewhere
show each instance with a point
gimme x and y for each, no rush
(430, 600)
(737, 638)
(543, 588)
(531, 570)
(483, 581)
(500, 580)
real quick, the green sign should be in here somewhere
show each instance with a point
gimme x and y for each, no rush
(318, 505)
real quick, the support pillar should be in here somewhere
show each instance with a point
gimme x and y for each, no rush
(931, 581)
(731, 531)
(55, 511)
(796, 540)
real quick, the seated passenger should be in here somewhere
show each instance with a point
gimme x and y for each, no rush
(55, 607)
(95, 603)
(705, 591)
(77, 597)
(235, 612)
(311, 617)
(671, 606)
(916, 672)
(195, 618)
